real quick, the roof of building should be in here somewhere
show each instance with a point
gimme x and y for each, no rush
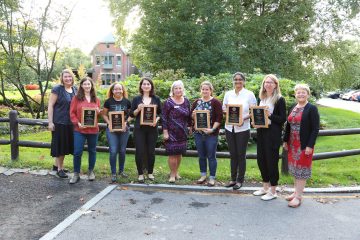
(108, 39)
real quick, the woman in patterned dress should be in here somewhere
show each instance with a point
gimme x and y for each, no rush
(176, 119)
(301, 132)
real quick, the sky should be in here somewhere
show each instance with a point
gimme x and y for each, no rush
(89, 24)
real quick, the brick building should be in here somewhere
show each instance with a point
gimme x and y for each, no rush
(110, 62)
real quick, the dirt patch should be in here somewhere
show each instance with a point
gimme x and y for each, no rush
(32, 205)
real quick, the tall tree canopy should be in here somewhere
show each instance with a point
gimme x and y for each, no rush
(279, 36)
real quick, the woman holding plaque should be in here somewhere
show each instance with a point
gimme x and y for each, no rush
(176, 119)
(84, 108)
(117, 102)
(301, 131)
(206, 140)
(237, 135)
(146, 108)
(269, 139)
(62, 142)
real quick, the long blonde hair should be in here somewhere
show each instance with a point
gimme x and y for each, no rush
(276, 94)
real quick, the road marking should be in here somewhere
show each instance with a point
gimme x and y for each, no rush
(77, 214)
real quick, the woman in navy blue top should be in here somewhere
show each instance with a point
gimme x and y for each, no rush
(59, 120)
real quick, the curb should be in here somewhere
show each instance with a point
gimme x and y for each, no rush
(184, 188)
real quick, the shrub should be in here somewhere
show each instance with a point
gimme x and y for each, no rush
(32, 87)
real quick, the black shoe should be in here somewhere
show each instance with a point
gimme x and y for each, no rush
(61, 174)
(230, 184)
(237, 186)
(55, 168)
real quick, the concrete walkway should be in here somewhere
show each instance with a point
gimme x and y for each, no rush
(139, 211)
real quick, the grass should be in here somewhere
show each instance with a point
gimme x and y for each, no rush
(337, 171)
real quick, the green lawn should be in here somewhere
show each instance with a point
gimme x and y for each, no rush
(338, 171)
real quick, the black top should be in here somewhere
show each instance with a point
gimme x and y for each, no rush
(138, 100)
(123, 105)
(278, 118)
(309, 126)
(61, 113)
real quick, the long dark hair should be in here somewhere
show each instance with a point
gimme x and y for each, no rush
(152, 91)
(81, 94)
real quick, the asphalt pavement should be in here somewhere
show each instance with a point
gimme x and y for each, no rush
(142, 212)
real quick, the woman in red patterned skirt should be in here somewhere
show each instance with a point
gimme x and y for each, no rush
(301, 132)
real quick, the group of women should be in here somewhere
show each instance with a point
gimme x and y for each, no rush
(177, 118)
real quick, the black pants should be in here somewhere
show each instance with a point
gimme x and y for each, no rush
(145, 142)
(237, 143)
(268, 155)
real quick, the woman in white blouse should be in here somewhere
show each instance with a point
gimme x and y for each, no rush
(237, 136)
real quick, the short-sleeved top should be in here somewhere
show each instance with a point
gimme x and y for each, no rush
(114, 105)
(61, 113)
(244, 97)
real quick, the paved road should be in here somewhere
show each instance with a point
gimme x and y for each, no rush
(129, 213)
(338, 103)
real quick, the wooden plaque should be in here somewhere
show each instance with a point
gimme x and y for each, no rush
(234, 114)
(202, 119)
(259, 117)
(89, 117)
(148, 115)
(117, 121)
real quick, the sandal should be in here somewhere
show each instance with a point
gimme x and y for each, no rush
(296, 202)
(290, 197)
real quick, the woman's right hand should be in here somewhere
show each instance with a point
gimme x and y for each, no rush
(51, 127)
(166, 136)
(285, 146)
(140, 107)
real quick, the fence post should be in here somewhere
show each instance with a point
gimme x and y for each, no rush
(284, 162)
(14, 134)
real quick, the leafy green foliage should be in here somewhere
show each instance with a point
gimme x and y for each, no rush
(301, 40)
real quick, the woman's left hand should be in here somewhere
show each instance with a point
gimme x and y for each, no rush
(208, 131)
(308, 151)
(154, 125)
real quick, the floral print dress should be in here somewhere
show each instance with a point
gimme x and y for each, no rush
(299, 163)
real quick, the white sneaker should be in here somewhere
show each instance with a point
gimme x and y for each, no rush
(260, 192)
(151, 177)
(269, 196)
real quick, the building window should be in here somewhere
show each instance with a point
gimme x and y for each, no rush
(118, 60)
(107, 79)
(98, 60)
(119, 76)
(107, 45)
(108, 60)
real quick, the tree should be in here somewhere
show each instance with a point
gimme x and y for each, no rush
(217, 36)
(72, 58)
(24, 47)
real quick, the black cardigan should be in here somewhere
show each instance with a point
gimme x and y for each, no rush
(309, 126)
(138, 100)
(278, 118)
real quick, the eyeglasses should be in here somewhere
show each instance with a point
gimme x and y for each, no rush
(270, 83)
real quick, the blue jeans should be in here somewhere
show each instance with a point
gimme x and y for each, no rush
(206, 147)
(79, 142)
(117, 144)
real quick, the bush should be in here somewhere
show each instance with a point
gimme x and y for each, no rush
(32, 87)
